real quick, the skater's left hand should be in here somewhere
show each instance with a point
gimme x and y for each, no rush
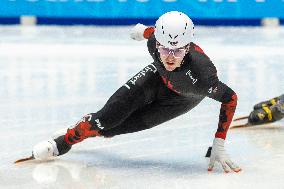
(219, 154)
(137, 32)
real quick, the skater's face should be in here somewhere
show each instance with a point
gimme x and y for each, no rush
(171, 58)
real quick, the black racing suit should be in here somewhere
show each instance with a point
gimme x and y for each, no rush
(268, 111)
(155, 95)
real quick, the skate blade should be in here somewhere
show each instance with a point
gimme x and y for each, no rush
(241, 118)
(24, 159)
(240, 126)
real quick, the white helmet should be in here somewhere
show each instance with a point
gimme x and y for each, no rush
(174, 30)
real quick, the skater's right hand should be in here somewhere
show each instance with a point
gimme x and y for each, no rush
(137, 32)
(219, 154)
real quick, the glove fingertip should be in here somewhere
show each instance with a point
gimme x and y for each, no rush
(238, 170)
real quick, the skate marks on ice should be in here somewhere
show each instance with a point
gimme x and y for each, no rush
(132, 153)
(108, 160)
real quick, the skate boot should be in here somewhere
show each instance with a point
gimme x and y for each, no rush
(267, 103)
(260, 116)
(50, 148)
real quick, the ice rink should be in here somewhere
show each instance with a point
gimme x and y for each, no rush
(52, 76)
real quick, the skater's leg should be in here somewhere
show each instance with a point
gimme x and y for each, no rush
(166, 107)
(136, 93)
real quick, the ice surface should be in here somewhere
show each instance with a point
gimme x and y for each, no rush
(52, 76)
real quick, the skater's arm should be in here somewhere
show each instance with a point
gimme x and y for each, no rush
(140, 32)
(224, 94)
(228, 97)
(219, 91)
(148, 32)
(227, 110)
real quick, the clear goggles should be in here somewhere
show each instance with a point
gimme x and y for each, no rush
(177, 53)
